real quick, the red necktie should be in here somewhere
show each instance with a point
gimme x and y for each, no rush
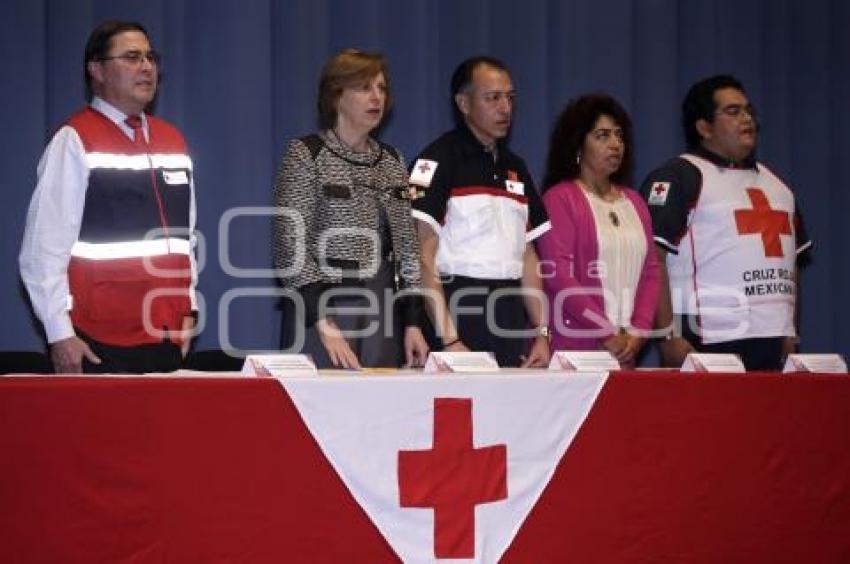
(135, 122)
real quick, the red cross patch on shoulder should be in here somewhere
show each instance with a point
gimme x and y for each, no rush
(658, 193)
(423, 172)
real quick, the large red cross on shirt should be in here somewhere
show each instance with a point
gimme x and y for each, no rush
(453, 477)
(764, 220)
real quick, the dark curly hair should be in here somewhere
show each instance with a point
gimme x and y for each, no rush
(699, 104)
(570, 131)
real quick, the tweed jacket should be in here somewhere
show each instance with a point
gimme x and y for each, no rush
(330, 201)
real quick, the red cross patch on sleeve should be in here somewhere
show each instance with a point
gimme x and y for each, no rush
(422, 172)
(658, 193)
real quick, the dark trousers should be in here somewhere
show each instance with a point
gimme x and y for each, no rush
(764, 353)
(480, 331)
(379, 347)
(140, 359)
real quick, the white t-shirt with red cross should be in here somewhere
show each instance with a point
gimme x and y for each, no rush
(732, 261)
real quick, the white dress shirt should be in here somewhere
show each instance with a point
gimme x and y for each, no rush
(53, 223)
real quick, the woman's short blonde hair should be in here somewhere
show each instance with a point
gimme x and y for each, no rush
(347, 69)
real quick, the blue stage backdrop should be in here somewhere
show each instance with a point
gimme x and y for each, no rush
(240, 80)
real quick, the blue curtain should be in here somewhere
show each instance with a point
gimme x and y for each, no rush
(240, 80)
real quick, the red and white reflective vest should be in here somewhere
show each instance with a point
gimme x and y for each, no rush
(130, 269)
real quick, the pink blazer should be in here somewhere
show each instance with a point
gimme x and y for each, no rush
(566, 250)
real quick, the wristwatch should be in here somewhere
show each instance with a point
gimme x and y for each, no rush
(543, 331)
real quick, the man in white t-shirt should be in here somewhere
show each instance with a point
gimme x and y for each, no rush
(728, 234)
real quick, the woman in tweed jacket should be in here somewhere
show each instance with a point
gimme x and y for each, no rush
(343, 236)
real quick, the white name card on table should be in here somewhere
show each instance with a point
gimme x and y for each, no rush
(824, 363)
(583, 361)
(715, 362)
(279, 365)
(467, 361)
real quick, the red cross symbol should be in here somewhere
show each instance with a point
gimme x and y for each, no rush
(764, 220)
(424, 167)
(453, 477)
(659, 188)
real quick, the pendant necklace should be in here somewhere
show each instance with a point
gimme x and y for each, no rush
(612, 215)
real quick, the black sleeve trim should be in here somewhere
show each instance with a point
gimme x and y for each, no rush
(411, 310)
(311, 294)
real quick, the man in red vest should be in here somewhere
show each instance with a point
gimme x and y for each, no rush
(107, 255)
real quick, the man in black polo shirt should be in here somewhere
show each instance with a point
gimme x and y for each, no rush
(477, 217)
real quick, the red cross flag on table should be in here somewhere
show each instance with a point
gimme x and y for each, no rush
(453, 477)
(446, 467)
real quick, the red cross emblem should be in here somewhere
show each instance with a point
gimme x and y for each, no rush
(659, 188)
(763, 220)
(453, 477)
(424, 167)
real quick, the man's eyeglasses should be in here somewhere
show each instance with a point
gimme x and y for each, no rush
(135, 58)
(495, 96)
(737, 110)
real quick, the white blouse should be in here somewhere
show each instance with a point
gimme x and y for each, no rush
(622, 251)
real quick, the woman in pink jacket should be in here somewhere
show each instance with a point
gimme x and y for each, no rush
(599, 265)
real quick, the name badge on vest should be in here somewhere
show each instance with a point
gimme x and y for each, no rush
(175, 177)
(515, 187)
